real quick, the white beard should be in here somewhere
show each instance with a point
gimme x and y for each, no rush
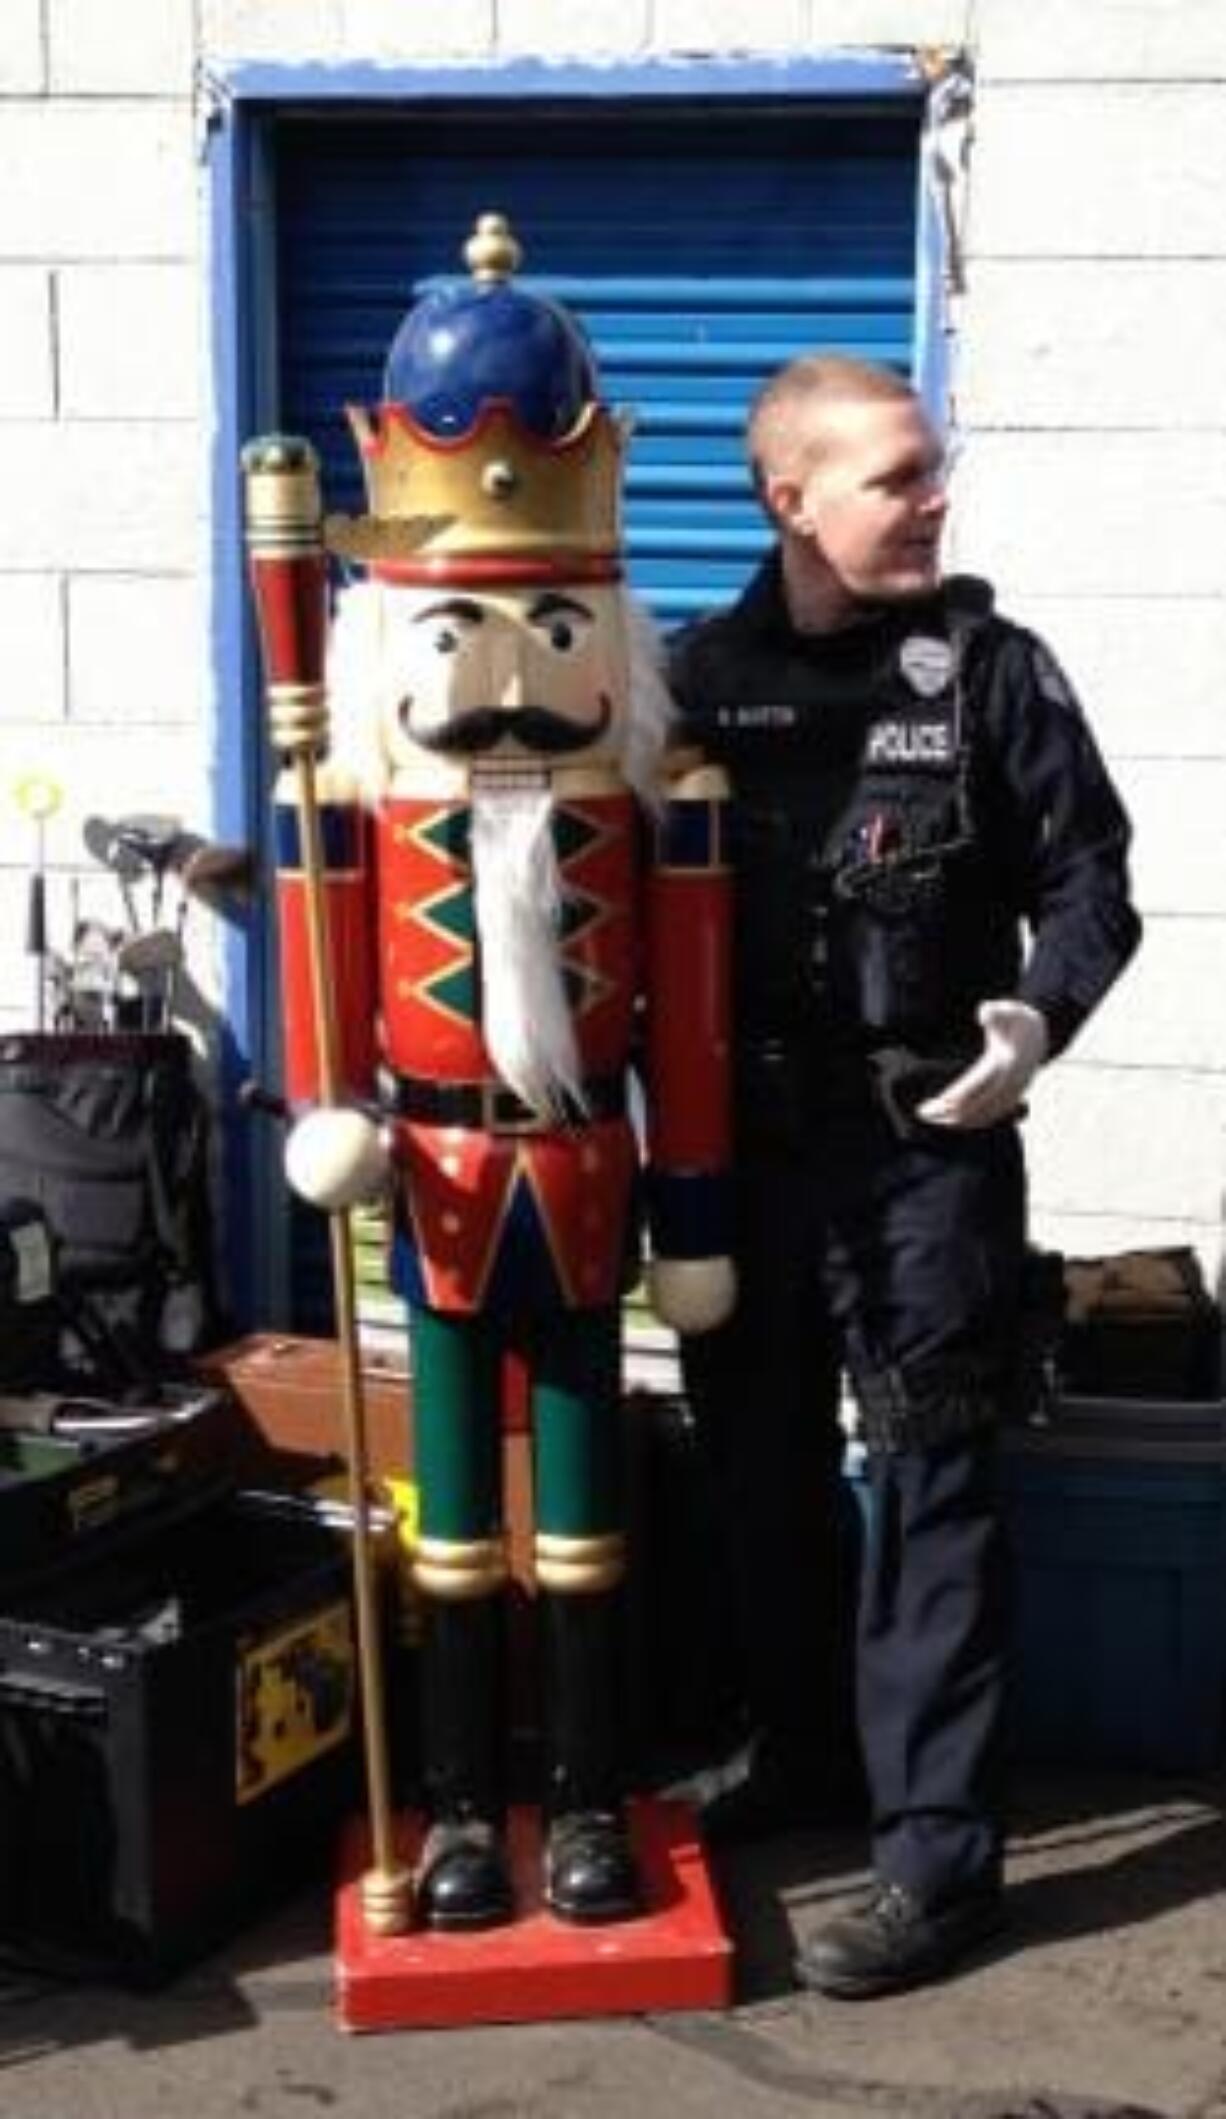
(526, 1022)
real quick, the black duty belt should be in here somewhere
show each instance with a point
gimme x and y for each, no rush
(493, 1108)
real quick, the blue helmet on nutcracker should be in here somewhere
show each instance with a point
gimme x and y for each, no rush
(491, 459)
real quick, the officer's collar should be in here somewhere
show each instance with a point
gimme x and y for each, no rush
(763, 610)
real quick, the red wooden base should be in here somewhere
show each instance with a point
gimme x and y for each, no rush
(675, 1955)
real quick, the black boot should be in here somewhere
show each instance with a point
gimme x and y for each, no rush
(589, 1874)
(462, 1877)
(895, 1941)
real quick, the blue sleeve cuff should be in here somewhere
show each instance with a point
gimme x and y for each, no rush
(689, 1214)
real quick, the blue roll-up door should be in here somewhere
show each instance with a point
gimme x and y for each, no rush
(701, 244)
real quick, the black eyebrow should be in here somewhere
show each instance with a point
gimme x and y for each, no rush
(550, 606)
(451, 607)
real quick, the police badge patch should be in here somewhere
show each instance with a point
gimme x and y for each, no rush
(927, 663)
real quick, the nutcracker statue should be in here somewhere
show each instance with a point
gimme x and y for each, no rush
(524, 890)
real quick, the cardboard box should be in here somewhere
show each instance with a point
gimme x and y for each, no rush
(286, 1391)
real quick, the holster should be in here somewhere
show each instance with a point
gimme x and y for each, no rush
(925, 1404)
(903, 1079)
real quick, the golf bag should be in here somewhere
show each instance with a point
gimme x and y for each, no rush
(109, 1135)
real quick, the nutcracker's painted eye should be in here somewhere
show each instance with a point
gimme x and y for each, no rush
(563, 622)
(448, 625)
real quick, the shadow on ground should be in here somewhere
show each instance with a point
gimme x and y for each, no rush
(779, 1890)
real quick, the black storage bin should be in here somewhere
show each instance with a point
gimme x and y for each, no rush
(70, 1499)
(178, 1742)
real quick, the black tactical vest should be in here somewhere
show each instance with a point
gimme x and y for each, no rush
(859, 853)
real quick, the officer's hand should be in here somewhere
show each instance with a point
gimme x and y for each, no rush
(691, 1294)
(337, 1158)
(1014, 1048)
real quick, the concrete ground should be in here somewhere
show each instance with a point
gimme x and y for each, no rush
(1107, 2001)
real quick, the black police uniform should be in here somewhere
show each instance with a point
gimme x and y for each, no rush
(912, 794)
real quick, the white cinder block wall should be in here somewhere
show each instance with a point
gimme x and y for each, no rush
(103, 668)
(1094, 491)
(1092, 484)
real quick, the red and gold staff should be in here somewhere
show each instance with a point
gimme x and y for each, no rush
(526, 874)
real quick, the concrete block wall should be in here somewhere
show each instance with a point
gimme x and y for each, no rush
(1091, 483)
(103, 682)
(1093, 490)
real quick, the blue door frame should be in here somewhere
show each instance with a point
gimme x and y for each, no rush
(245, 104)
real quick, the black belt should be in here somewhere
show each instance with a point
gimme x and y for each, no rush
(494, 1108)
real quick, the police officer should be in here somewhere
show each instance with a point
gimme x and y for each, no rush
(916, 791)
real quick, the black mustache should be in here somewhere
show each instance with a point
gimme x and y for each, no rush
(535, 727)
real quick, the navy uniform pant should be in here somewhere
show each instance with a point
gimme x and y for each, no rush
(903, 1259)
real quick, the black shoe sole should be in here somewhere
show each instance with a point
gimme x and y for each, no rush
(467, 1923)
(594, 1917)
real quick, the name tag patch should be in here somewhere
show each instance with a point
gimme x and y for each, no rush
(907, 742)
(769, 715)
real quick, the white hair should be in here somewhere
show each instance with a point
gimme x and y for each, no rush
(650, 711)
(359, 677)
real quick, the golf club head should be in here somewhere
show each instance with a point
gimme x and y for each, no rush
(102, 840)
(93, 938)
(151, 838)
(141, 955)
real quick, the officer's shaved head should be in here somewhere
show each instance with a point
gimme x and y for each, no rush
(782, 435)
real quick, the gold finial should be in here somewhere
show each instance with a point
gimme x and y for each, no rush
(491, 252)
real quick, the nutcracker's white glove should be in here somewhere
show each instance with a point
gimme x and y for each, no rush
(1015, 1042)
(337, 1157)
(691, 1294)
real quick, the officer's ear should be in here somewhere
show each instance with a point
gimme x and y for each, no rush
(784, 500)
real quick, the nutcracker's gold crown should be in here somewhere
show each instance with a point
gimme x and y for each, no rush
(491, 459)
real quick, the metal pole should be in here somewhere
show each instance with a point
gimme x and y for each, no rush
(287, 570)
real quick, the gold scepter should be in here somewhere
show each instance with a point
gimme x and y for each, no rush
(288, 575)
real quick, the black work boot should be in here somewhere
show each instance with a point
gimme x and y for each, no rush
(589, 1870)
(896, 1941)
(462, 1877)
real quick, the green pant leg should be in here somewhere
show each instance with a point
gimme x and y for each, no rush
(457, 1417)
(576, 1405)
(460, 1568)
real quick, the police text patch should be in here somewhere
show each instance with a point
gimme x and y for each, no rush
(910, 742)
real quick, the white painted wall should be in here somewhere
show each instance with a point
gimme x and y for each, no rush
(1092, 486)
